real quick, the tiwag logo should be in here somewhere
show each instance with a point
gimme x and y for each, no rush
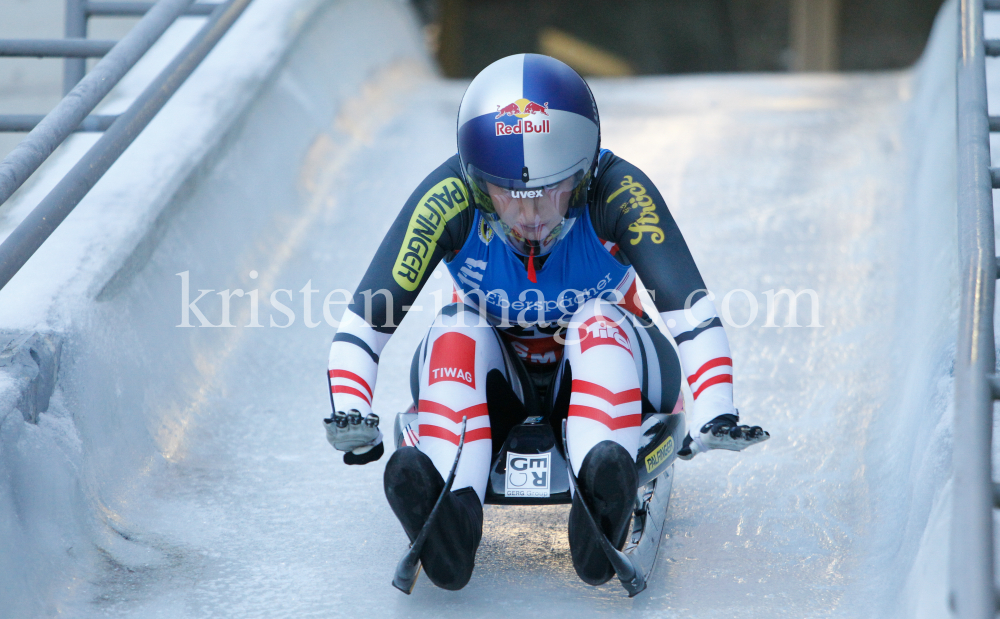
(453, 358)
(457, 374)
(600, 331)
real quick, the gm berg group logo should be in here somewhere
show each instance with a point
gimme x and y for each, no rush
(527, 475)
(522, 109)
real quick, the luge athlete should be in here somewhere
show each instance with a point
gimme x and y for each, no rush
(547, 237)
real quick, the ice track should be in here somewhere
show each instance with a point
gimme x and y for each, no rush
(193, 478)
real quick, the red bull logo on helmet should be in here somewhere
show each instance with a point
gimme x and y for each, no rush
(522, 109)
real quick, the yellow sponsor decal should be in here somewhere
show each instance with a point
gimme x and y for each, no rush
(646, 224)
(438, 206)
(660, 454)
(485, 231)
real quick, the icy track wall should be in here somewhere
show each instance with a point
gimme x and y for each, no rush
(908, 458)
(208, 184)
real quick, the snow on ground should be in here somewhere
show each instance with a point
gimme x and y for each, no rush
(201, 481)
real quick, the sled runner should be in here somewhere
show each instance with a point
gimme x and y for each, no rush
(408, 568)
(531, 469)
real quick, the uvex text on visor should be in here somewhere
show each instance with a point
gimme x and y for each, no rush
(531, 221)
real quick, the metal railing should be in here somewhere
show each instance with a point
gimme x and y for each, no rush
(84, 93)
(972, 590)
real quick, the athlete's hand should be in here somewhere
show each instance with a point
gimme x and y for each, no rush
(360, 439)
(723, 432)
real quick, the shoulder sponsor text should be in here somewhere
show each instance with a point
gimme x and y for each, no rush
(646, 223)
(434, 210)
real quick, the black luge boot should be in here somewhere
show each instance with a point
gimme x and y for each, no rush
(609, 482)
(412, 486)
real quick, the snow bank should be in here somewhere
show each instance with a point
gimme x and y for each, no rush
(208, 173)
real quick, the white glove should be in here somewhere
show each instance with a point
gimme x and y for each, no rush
(349, 432)
(723, 432)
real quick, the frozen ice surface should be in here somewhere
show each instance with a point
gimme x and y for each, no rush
(199, 454)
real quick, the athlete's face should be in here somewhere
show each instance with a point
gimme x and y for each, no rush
(532, 213)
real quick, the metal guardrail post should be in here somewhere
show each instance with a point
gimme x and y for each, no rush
(29, 235)
(27, 122)
(76, 28)
(137, 9)
(70, 112)
(59, 48)
(971, 563)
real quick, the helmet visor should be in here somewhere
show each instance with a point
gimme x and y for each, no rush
(532, 221)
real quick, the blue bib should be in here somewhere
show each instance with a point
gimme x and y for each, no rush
(580, 267)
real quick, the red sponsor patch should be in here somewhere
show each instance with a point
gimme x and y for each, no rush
(453, 358)
(536, 351)
(599, 331)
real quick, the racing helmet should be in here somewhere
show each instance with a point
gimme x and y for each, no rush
(528, 140)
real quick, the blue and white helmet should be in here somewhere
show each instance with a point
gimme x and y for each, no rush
(528, 130)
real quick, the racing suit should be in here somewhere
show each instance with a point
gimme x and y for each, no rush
(569, 339)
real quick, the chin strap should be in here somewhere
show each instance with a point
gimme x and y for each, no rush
(531, 267)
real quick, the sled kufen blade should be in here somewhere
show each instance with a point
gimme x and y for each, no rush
(645, 542)
(629, 573)
(408, 568)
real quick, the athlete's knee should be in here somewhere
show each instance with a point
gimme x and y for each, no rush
(461, 317)
(598, 322)
(598, 308)
(461, 346)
